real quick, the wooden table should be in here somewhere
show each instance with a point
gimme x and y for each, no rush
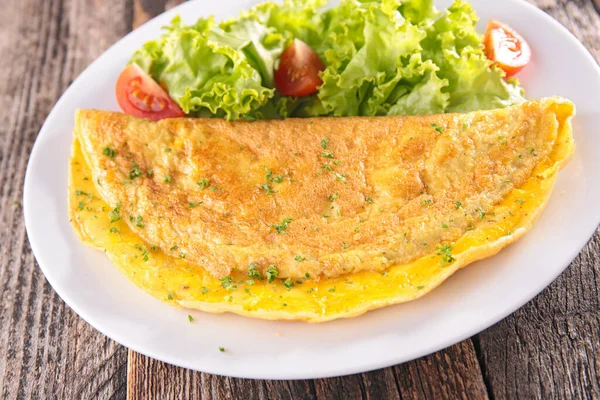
(550, 348)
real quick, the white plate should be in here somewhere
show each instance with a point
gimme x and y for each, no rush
(469, 302)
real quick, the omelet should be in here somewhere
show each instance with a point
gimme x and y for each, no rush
(311, 219)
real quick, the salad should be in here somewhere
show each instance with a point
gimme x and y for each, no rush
(298, 59)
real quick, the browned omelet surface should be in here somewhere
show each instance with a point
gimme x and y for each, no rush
(324, 197)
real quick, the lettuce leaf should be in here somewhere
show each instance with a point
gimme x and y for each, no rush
(382, 57)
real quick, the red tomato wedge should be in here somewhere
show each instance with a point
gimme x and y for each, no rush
(139, 95)
(506, 47)
(298, 72)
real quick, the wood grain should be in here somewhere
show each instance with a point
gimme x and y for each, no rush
(451, 373)
(548, 349)
(46, 350)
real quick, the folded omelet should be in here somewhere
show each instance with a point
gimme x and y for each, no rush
(311, 219)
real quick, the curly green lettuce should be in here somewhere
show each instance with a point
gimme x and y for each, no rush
(385, 57)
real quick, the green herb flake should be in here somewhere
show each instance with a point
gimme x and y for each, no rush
(114, 229)
(139, 221)
(203, 183)
(307, 275)
(520, 201)
(446, 253)
(227, 283)
(438, 128)
(115, 214)
(332, 197)
(274, 178)
(168, 179)
(444, 226)
(107, 151)
(81, 206)
(267, 188)
(344, 245)
(271, 273)
(331, 289)
(327, 154)
(190, 318)
(299, 258)
(134, 172)
(340, 177)
(250, 282)
(222, 349)
(324, 142)
(168, 150)
(481, 213)
(150, 174)
(425, 202)
(288, 284)
(170, 296)
(192, 205)
(204, 290)
(420, 287)
(458, 204)
(281, 228)
(253, 272)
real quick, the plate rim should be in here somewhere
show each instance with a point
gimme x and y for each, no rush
(382, 362)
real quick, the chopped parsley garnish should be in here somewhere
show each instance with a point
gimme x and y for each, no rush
(82, 193)
(299, 258)
(281, 228)
(326, 166)
(369, 200)
(170, 295)
(384, 274)
(250, 282)
(107, 151)
(253, 273)
(458, 205)
(222, 349)
(344, 245)
(150, 174)
(227, 283)
(420, 287)
(425, 202)
(268, 188)
(181, 255)
(327, 154)
(446, 253)
(438, 128)
(532, 151)
(445, 226)
(167, 150)
(340, 177)
(481, 213)
(288, 284)
(81, 205)
(333, 197)
(272, 178)
(115, 214)
(271, 273)
(204, 290)
(174, 248)
(331, 289)
(213, 189)
(520, 201)
(190, 318)
(307, 275)
(324, 142)
(357, 229)
(138, 221)
(145, 255)
(192, 205)
(114, 229)
(337, 162)
(135, 172)
(168, 179)
(203, 183)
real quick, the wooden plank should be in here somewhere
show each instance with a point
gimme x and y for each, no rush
(144, 10)
(550, 347)
(451, 373)
(46, 351)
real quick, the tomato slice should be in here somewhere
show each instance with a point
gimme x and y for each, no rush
(506, 47)
(298, 71)
(139, 95)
